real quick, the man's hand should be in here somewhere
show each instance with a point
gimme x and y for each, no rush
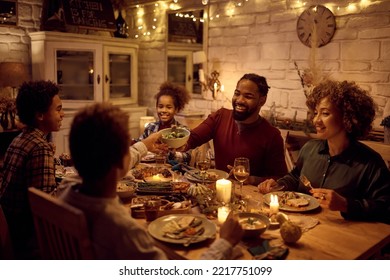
(267, 186)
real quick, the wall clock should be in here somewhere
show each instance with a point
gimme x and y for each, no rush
(316, 24)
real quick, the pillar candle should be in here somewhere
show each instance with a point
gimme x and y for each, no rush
(274, 204)
(223, 212)
(224, 190)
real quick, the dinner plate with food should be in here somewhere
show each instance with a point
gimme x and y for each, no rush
(293, 201)
(212, 175)
(182, 229)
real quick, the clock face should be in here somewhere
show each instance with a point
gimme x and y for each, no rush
(316, 24)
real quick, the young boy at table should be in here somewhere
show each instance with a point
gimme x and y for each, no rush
(29, 161)
(114, 233)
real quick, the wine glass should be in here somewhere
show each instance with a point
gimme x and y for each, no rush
(241, 171)
(203, 164)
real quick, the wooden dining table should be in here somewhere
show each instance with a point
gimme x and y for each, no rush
(333, 238)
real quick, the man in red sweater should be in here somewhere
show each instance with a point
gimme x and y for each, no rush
(242, 132)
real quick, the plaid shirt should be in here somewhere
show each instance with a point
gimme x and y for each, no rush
(157, 126)
(28, 162)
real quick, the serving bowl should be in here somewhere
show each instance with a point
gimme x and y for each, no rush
(176, 137)
(253, 224)
(126, 189)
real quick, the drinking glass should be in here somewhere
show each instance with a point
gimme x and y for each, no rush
(203, 164)
(241, 171)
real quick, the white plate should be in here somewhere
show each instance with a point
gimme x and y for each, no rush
(313, 203)
(220, 175)
(155, 227)
(150, 157)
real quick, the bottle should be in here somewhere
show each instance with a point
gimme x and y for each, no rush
(121, 27)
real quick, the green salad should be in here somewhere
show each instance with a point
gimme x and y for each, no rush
(174, 135)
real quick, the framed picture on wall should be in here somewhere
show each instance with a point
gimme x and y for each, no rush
(8, 12)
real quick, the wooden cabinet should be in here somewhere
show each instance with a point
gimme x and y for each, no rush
(88, 69)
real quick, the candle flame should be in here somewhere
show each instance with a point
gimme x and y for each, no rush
(274, 199)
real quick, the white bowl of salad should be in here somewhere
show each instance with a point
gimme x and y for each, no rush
(175, 137)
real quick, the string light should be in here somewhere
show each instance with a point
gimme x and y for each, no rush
(149, 15)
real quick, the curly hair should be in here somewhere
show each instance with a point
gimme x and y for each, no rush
(34, 97)
(99, 138)
(356, 106)
(179, 94)
(260, 81)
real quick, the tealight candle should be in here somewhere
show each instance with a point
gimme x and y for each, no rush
(223, 212)
(156, 178)
(274, 204)
(224, 190)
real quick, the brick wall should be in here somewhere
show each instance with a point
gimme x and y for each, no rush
(260, 37)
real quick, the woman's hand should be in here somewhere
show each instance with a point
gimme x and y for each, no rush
(267, 186)
(330, 199)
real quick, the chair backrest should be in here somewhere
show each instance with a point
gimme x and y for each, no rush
(381, 148)
(6, 252)
(61, 229)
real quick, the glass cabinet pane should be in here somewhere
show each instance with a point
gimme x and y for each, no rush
(177, 70)
(182, 72)
(75, 74)
(120, 74)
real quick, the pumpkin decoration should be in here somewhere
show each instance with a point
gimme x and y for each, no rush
(197, 189)
(290, 232)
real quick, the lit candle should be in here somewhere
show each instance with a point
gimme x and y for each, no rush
(222, 88)
(223, 212)
(274, 204)
(156, 178)
(224, 190)
(215, 87)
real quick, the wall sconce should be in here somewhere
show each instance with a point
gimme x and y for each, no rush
(212, 83)
(13, 74)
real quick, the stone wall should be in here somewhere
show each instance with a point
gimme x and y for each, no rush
(259, 37)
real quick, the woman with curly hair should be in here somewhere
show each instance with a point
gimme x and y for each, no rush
(347, 175)
(170, 100)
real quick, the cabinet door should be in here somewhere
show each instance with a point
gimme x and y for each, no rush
(182, 71)
(77, 70)
(120, 75)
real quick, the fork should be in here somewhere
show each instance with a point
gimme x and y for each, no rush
(194, 237)
(305, 181)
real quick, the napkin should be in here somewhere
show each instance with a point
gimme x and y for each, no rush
(305, 222)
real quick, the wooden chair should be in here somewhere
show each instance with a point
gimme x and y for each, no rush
(6, 252)
(61, 229)
(381, 148)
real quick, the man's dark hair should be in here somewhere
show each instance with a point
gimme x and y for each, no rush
(260, 81)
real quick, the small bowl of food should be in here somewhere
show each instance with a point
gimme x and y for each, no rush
(253, 224)
(126, 189)
(175, 137)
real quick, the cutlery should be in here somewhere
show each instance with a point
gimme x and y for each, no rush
(305, 181)
(194, 237)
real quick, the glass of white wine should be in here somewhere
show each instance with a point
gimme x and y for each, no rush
(203, 164)
(241, 171)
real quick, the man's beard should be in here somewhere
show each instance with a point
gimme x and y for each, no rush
(242, 116)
